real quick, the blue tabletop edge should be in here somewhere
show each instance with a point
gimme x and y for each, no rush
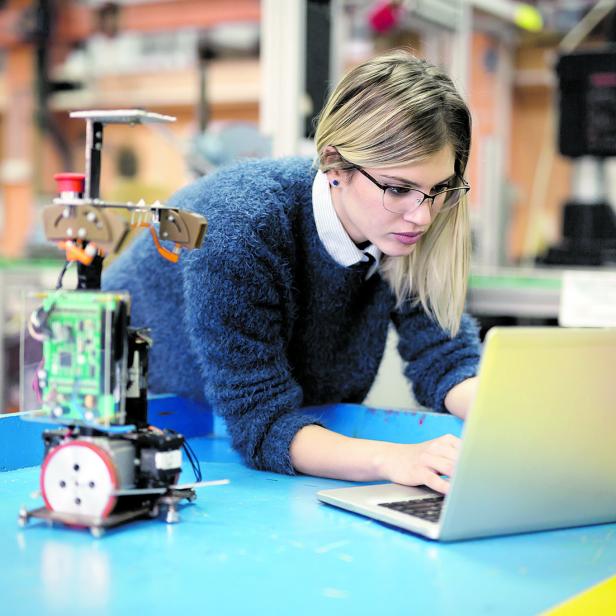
(22, 445)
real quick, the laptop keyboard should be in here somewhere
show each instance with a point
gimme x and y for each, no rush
(424, 508)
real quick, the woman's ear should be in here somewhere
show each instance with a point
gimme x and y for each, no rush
(331, 155)
(334, 177)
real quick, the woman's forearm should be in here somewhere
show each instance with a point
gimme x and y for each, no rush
(318, 451)
(459, 398)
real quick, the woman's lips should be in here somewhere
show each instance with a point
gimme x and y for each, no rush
(407, 238)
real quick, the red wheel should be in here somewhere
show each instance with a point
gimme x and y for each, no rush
(79, 477)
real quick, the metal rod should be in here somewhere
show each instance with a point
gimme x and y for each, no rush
(94, 145)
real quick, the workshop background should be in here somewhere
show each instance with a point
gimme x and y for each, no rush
(245, 78)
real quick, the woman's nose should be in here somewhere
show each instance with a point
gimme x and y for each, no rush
(421, 215)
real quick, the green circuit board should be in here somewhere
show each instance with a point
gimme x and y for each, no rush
(82, 366)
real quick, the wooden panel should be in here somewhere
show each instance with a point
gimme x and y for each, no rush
(76, 22)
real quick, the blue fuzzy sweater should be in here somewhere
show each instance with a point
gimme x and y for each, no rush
(261, 320)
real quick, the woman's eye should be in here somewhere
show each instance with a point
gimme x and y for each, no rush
(399, 190)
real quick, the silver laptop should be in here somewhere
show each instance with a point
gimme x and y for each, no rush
(538, 447)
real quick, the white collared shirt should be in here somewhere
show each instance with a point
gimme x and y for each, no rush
(336, 240)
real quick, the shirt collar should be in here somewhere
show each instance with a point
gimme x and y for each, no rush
(336, 240)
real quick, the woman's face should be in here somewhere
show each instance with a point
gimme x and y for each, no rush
(359, 202)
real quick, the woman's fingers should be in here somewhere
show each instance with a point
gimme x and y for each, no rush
(439, 458)
(434, 481)
(430, 463)
(447, 446)
(448, 440)
(440, 464)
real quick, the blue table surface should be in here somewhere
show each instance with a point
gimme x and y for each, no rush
(264, 544)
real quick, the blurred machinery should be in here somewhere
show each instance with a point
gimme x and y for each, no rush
(36, 36)
(220, 143)
(85, 368)
(587, 134)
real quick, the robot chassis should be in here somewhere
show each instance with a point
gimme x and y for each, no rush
(104, 465)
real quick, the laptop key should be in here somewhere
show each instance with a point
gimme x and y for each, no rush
(424, 508)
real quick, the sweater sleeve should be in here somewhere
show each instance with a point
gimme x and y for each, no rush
(435, 362)
(234, 298)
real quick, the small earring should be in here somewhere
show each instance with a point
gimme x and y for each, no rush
(335, 182)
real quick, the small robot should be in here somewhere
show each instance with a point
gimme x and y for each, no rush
(103, 465)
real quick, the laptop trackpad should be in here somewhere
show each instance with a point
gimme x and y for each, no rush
(373, 495)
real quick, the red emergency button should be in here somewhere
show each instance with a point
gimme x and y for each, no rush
(70, 182)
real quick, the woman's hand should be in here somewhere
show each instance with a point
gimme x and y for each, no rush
(422, 463)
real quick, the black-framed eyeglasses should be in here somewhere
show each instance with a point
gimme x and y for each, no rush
(405, 199)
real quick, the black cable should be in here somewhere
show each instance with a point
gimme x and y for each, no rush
(191, 456)
(61, 275)
(194, 462)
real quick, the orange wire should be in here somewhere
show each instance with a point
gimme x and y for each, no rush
(75, 253)
(174, 257)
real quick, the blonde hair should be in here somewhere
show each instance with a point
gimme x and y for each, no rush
(396, 110)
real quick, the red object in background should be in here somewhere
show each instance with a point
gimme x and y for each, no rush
(385, 16)
(70, 182)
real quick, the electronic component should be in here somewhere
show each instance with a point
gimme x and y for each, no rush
(84, 357)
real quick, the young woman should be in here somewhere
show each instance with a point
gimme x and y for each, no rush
(288, 302)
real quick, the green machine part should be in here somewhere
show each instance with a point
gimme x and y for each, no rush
(84, 362)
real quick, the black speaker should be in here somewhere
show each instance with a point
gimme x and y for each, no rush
(587, 88)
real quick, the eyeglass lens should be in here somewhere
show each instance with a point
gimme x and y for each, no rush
(401, 200)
